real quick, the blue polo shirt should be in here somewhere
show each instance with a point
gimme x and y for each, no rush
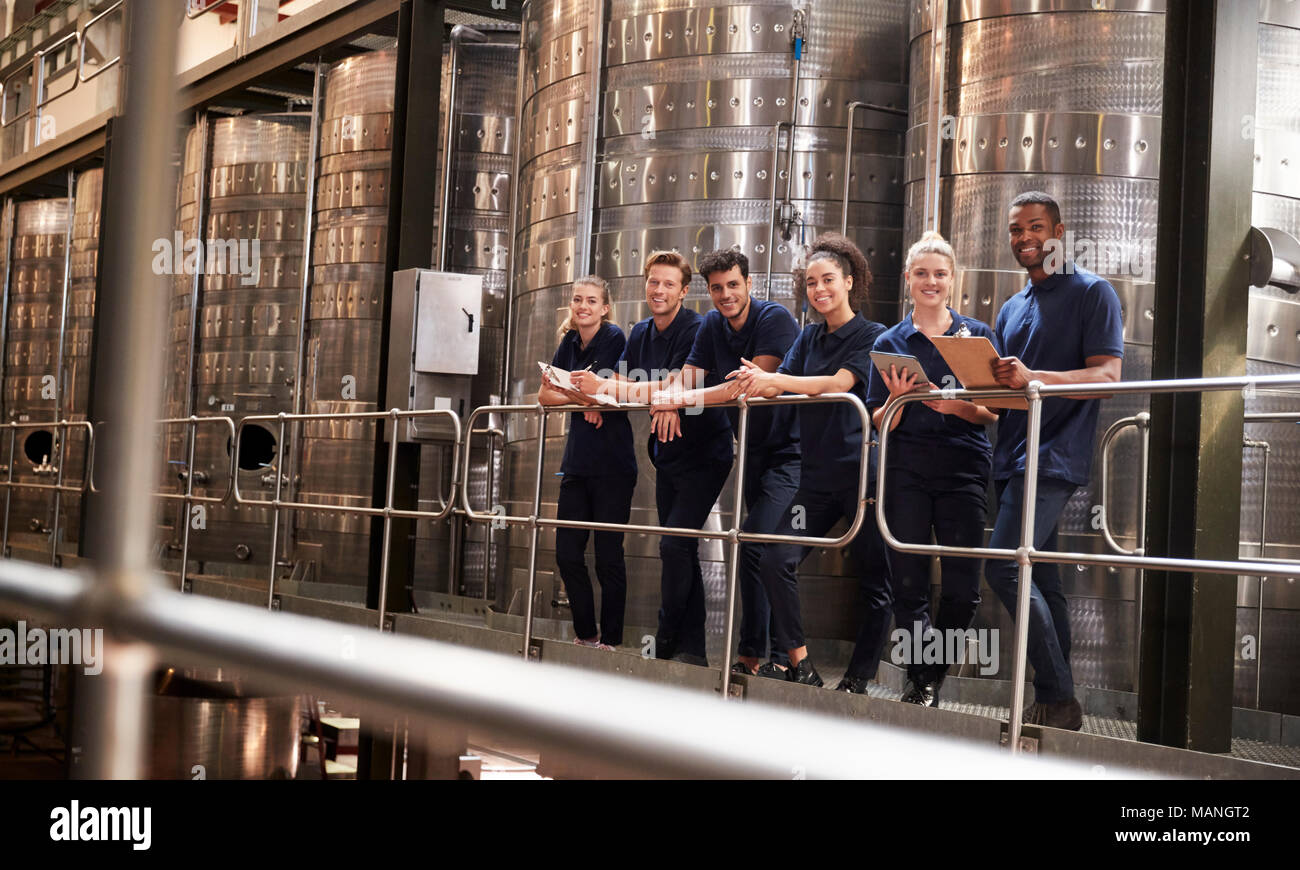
(592, 452)
(1055, 326)
(920, 426)
(769, 330)
(831, 432)
(652, 355)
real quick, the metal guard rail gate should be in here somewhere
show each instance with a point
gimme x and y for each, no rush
(1026, 555)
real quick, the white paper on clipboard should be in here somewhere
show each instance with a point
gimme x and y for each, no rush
(562, 380)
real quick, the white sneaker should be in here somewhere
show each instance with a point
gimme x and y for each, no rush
(594, 644)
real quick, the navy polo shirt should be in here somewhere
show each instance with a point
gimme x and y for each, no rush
(592, 452)
(920, 426)
(1055, 326)
(769, 330)
(652, 355)
(831, 432)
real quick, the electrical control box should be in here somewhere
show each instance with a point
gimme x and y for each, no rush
(433, 348)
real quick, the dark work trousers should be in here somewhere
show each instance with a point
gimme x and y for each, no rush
(941, 489)
(601, 500)
(684, 501)
(770, 484)
(812, 513)
(1049, 615)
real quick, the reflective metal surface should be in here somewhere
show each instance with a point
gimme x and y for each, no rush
(689, 96)
(1272, 347)
(32, 376)
(343, 324)
(208, 724)
(246, 322)
(1063, 98)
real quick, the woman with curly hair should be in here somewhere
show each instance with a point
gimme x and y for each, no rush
(829, 357)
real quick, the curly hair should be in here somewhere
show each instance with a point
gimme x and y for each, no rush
(847, 257)
(723, 260)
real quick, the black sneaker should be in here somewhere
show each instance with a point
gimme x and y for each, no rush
(805, 673)
(773, 671)
(1067, 715)
(739, 667)
(852, 686)
(921, 692)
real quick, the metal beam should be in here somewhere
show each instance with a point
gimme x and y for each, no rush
(1206, 172)
(420, 35)
(286, 52)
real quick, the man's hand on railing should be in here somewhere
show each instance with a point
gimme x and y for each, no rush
(1010, 372)
(666, 424)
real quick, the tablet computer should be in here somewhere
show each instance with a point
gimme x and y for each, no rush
(902, 363)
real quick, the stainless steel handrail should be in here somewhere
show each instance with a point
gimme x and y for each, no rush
(1142, 422)
(644, 729)
(5, 119)
(81, 59)
(1026, 555)
(388, 512)
(10, 484)
(733, 536)
(39, 98)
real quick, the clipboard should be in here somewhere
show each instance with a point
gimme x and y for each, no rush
(560, 380)
(904, 363)
(971, 360)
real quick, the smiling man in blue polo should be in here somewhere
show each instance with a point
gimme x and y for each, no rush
(1065, 327)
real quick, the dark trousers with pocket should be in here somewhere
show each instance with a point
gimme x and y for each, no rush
(602, 500)
(812, 513)
(944, 491)
(684, 500)
(770, 484)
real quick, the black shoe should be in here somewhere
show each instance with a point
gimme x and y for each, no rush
(852, 686)
(773, 671)
(739, 667)
(691, 659)
(1067, 715)
(805, 673)
(921, 692)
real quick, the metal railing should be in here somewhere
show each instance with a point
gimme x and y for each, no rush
(1026, 555)
(34, 68)
(388, 512)
(59, 487)
(734, 536)
(642, 729)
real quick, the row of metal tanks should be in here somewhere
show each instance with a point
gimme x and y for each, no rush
(659, 133)
(50, 250)
(238, 351)
(651, 125)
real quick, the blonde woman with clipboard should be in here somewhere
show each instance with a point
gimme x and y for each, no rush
(940, 461)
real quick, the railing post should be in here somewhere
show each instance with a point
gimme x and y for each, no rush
(733, 566)
(9, 487)
(60, 449)
(532, 529)
(1025, 567)
(388, 515)
(187, 504)
(275, 517)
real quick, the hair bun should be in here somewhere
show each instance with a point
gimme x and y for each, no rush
(932, 235)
